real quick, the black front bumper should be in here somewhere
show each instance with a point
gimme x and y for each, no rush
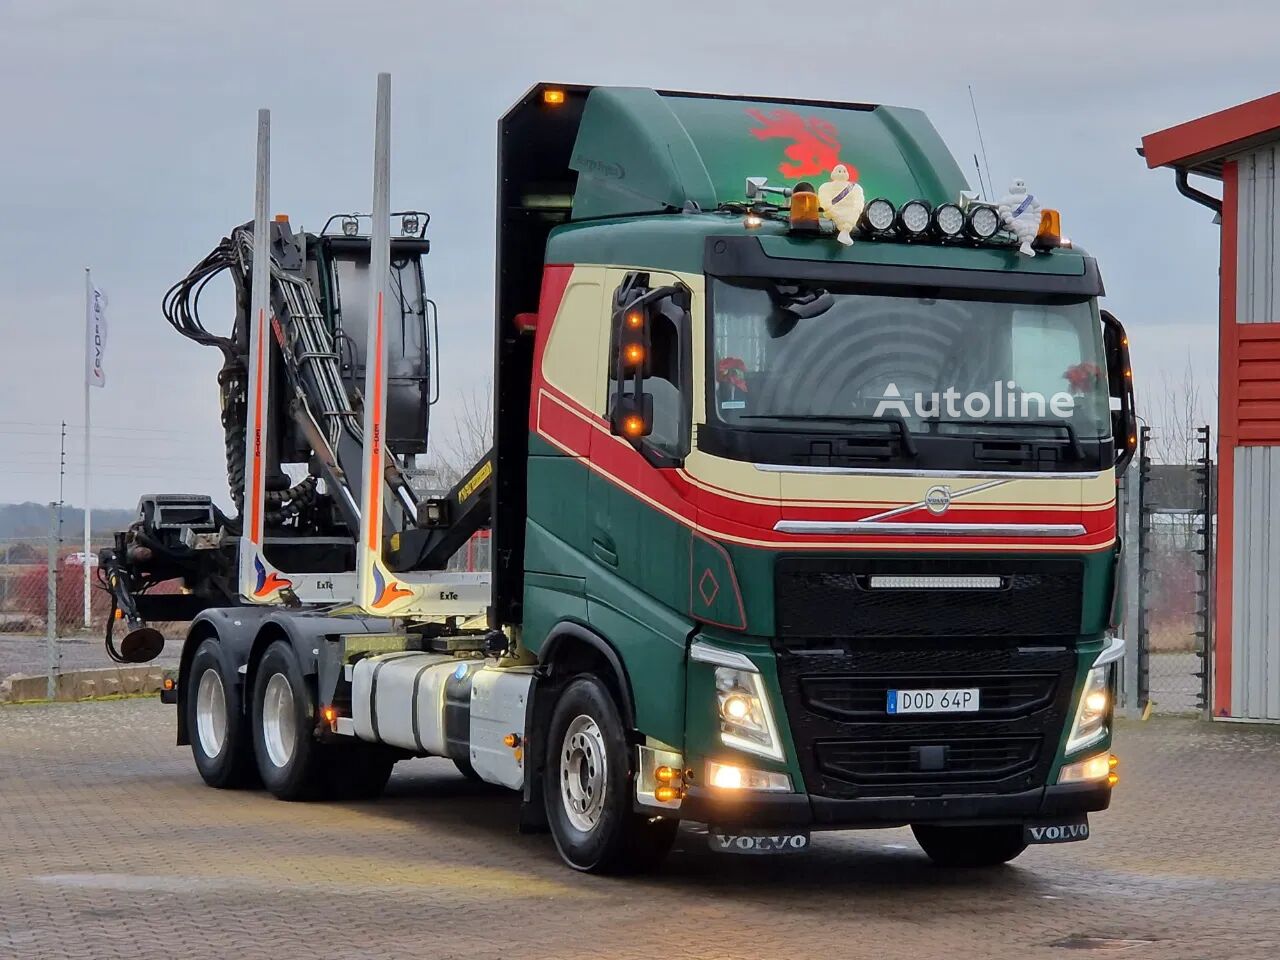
(818, 813)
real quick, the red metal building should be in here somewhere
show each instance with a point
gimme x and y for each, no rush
(1240, 146)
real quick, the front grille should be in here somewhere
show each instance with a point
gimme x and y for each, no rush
(901, 761)
(835, 693)
(833, 597)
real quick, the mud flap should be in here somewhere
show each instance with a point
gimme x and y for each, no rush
(758, 843)
(1056, 831)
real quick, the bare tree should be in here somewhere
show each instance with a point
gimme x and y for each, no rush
(454, 452)
(1174, 411)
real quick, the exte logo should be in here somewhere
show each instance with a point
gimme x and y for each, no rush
(448, 595)
(1057, 832)
(324, 584)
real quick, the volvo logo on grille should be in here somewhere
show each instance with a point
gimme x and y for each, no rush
(938, 499)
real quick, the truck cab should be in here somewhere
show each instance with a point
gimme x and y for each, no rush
(836, 522)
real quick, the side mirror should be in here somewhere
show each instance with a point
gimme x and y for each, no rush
(1124, 415)
(635, 306)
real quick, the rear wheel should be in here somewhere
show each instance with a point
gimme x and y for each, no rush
(970, 846)
(291, 761)
(588, 787)
(221, 743)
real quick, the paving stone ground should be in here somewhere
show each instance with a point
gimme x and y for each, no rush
(111, 846)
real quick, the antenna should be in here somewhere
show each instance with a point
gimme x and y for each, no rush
(990, 184)
(982, 190)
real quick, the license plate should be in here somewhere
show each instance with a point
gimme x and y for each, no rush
(758, 843)
(963, 700)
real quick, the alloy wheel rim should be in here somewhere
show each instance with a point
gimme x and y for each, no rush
(279, 720)
(584, 770)
(211, 712)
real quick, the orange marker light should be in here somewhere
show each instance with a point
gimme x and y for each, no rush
(666, 794)
(329, 714)
(1112, 779)
(635, 319)
(553, 98)
(282, 218)
(633, 426)
(511, 740)
(168, 683)
(804, 210)
(633, 354)
(664, 774)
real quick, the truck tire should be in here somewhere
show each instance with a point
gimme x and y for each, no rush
(293, 764)
(221, 742)
(588, 787)
(970, 846)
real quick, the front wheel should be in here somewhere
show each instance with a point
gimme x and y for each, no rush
(587, 786)
(970, 846)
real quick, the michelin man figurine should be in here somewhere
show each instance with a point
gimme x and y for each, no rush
(1020, 215)
(842, 201)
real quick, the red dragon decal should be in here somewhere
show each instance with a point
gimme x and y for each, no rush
(815, 146)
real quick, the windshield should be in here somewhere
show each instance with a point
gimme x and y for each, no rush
(947, 362)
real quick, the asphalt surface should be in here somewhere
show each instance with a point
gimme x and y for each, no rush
(111, 846)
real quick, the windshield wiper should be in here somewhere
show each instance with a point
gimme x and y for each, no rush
(908, 444)
(1072, 439)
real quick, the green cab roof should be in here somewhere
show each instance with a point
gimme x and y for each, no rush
(645, 151)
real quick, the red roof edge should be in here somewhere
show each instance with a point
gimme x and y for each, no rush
(1213, 133)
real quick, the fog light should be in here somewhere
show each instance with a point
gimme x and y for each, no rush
(877, 216)
(949, 220)
(913, 218)
(727, 776)
(983, 223)
(1097, 767)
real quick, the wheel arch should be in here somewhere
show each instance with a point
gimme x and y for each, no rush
(572, 647)
(226, 625)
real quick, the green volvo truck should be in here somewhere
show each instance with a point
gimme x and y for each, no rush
(788, 533)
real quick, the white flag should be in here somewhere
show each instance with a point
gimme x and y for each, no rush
(95, 338)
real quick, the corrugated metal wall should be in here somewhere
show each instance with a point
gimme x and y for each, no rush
(1255, 587)
(1259, 213)
(1255, 661)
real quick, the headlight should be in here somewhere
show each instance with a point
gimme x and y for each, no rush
(983, 223)
(1090, 724)
(949, 219)
(746, 721)
(877, 216)
(913, 218)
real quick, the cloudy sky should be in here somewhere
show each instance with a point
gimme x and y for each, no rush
(127, 146)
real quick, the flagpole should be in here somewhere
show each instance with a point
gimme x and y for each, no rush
(88, 314)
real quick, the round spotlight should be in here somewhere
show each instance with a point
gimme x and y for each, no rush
(913, 218)
(877, 216)
(350, 226)
(949, 219)
(984, 222)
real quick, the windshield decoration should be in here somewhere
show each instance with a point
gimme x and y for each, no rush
(842, 201)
